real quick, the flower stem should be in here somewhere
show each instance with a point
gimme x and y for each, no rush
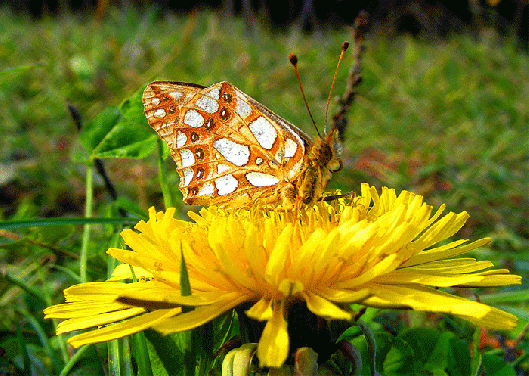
(167, 199)
(88, 214)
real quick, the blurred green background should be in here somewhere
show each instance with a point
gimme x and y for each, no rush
(442, 114)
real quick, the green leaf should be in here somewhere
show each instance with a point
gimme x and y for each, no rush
(384, 343)
(371, 344)
(9, 74)
(95, 132)
(450, 355)
(120, 132)
(399, 360)
(422, 341)
(223, 327)
(141, 354)
(167, 358)
(494, 365)
(132, 207)
(506, 297)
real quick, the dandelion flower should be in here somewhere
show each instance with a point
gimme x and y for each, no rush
(379, 250)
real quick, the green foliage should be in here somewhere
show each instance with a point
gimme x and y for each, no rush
(424, 351)
(119, 132)
(447, 120)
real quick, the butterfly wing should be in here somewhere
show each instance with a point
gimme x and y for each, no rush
(229, 149)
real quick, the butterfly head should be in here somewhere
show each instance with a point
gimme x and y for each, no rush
(324, 153)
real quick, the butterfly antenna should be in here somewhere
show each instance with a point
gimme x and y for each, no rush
(345, 46)
(294, 61)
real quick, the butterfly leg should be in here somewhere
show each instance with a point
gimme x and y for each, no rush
(289, 196)
(311, 186)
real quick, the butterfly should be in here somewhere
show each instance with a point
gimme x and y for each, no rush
(232, 151)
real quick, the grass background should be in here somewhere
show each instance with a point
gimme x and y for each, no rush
(447, 119)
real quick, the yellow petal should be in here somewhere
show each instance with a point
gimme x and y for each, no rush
(443, 252)
(493, 279)
(82, 309)
(200, 315)
(153, 292)
(274, 343)
(345, 296)
(324, 308)
(122, 271)
(262, 310)
(98, 320)
(452, 266)
(424, 298)
(122, 329)
(279, 259)
(406, 276)
(97, 291)
(384, 266)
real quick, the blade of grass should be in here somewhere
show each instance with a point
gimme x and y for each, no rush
(188, 337)
(167, 198)
(66, 221)
(68, 367)
(47, 298)
(27, 288)
(475, 363)
(115, 347)
(141, 354)
(88, 214)
(114, 357)
(37, 328)
(23, 350)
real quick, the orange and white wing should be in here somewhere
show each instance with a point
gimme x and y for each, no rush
(229, 149)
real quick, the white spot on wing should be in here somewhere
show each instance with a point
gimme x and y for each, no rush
(258, 161)
(181, 139)
(188, 159)
(226, 184)
(193, 119)
(243, 109)
(290, 148)
(206, 189)
(207, 104)
(214, 93)
(233, 152)
(176, 95)
(258, 179)
(279, 156)
(294, 171)
(263, 132)
(188, 176)
(155, 101)
(159, 113)
(222, 167)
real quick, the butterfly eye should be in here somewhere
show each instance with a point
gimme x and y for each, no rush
(336, 166)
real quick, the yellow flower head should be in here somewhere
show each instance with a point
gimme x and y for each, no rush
(375, 250)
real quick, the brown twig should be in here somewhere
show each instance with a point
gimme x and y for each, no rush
(339, 120)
